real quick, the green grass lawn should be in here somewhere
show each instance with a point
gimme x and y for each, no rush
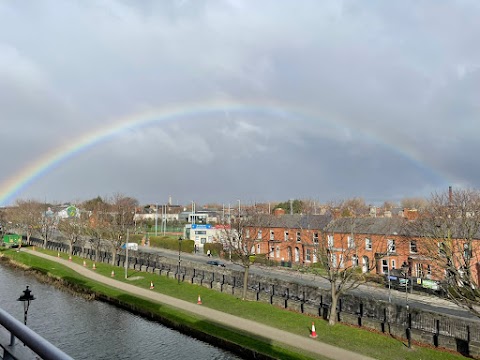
(358, 340)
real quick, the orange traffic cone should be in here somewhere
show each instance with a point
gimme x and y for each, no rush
(151, 285)
(84, 263)
(314, 333)
(70, 257)
(93, 267)
(112, 274)
(199, 301)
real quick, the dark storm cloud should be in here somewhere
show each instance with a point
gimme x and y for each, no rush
(387, 94)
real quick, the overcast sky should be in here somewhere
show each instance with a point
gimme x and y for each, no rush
(323, 100)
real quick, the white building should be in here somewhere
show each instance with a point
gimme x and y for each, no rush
(205, 233)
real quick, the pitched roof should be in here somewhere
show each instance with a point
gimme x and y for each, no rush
(295, 221)
(369, 225)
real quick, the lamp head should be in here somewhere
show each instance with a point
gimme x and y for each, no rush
(27, 295)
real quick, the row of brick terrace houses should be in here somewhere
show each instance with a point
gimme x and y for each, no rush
(375, 244)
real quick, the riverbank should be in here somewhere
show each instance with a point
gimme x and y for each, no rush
(287, 331)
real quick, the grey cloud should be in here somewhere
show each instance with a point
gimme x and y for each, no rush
(383, 88)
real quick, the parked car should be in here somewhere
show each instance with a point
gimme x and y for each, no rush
(215, 263)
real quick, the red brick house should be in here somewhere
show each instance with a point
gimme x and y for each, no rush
(377, 245)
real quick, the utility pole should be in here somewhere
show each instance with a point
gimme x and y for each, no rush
(126, 255)
(156, 218)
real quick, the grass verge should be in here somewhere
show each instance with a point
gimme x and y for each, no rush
(368, 343)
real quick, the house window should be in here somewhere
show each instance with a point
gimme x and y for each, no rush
(315, 237)
(351, 242)
(390, 245)
(259, 234)
(413, 246)
(419, 270)
(354, 261)
(441, 249)
(385, 266)
(272, 235)
(258, 249)
(247, 233)
(299, 236)
(285, 235)
(368, 244)
(393, 264)
(333, 260)
(429, 270)
(278, 251)
(308, 255)
(466, 251)
(330, 241)
(340, 258)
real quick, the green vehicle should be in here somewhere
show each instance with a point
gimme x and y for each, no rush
(11, 240)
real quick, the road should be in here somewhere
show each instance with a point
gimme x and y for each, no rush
(416, 300)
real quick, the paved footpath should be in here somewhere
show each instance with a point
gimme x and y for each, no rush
(274, 335)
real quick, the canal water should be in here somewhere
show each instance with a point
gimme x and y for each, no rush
(95, 330)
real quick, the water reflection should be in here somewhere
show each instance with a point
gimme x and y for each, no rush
(95, 330)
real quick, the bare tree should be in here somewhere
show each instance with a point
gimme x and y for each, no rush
(48, 222)
(27, 214)
(122, 208)
(96, 225)
(240, 239)
(414, 203)
(342, 254)
(449, 232)
(72, 228)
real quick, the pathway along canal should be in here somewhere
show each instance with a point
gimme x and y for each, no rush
(96, 330)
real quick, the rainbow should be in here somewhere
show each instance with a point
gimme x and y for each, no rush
(15, 184)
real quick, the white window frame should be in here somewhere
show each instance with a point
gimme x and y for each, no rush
(368, 244)
(333, 260)
(413, 247)
(330, 241)
(390, 246)
(247, 233)
(351, 242)
(272, 235)
(308, 255)
(354, 261)
(259, 234)
(315, 237)
(285, 235)
(393, 264)
(384, 266)
(299, 236)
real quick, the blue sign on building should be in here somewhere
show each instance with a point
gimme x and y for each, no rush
(201, 226)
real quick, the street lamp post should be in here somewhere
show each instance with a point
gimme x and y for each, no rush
(388, 273)
(26, 298)
(405, 274)
(179, 251)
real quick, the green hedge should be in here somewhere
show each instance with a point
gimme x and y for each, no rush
(165, 242)
(215, 249)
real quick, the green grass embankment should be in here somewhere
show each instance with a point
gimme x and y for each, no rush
(368, 343)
